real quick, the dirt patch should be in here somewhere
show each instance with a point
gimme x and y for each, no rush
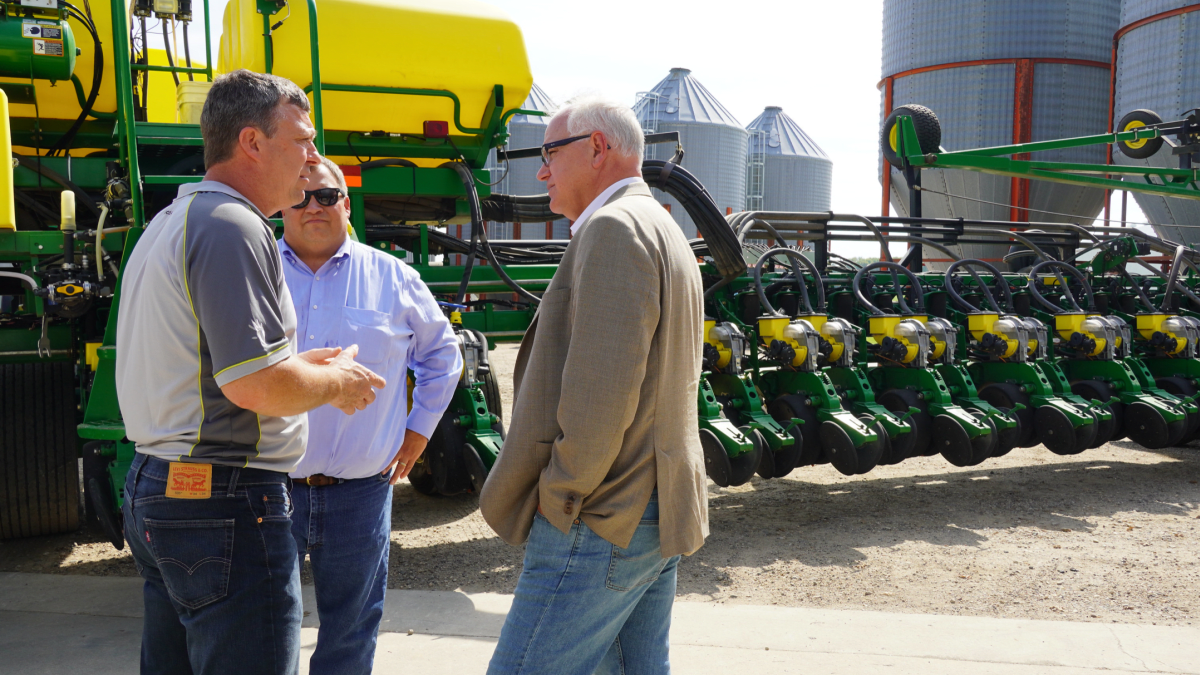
(1108, 535)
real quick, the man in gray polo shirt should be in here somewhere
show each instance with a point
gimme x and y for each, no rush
(214, 394)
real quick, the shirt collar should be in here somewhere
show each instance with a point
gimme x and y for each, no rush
(215, 186)
(290, 255)
(600, 200)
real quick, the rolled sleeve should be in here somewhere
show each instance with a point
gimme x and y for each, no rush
(235, 287)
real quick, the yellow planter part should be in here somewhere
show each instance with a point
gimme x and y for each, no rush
(8, 214)
(462, 46)
(725, 355)
(1067, 324)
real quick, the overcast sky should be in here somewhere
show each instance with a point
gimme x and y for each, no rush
(820, 61)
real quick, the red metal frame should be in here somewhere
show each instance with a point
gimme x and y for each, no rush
(1022, 117)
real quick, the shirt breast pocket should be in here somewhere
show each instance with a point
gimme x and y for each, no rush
(371, 331)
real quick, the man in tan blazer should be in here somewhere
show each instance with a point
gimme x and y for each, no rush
(602, 472)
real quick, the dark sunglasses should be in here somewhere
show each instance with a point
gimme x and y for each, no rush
(547, 147)
(324, 196)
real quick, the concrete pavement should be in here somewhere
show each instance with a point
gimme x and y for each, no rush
(55, 624)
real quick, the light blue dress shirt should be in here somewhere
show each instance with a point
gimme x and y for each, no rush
(369, 298)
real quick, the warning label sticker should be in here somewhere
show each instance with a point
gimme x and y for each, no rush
(40, 29)
(47, 48)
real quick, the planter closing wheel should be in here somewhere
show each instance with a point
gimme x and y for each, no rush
(743, 466)
(1146, 426)
(916, 442)
(792, 407)
(1006, 396)
(716, 460)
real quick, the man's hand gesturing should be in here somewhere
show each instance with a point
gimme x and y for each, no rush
(357, 382)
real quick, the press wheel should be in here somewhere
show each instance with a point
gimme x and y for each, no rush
(792, 407)
(766, 460)
(716, 460)
(1183, 388)
(742, 467)
(872, 452)
(1055, 431)
(839, 448)
(952, 441)
(1146, 426)
(787, 458)
(1098, 390)
(1006, 396)
(915, 442)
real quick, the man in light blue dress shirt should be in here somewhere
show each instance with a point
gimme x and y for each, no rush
(345, 294)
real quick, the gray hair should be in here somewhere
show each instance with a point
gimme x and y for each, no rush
(243, 99)
(591, 112)
(336, 172)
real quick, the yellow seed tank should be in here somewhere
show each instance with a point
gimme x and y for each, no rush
(462, 46)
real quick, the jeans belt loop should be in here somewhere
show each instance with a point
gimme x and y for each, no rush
(233, 479)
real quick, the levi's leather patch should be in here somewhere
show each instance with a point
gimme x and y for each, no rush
(189, 481)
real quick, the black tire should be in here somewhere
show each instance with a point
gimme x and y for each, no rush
(792, 407)
(1183, 388)
(1005, 395)
(744, 465)
(39, 465)
(929, 132)
(491, 394)
(444, 455)
(917, 442)
(716, 459)
(1097, 390)
(1141, 149)
(422, 479)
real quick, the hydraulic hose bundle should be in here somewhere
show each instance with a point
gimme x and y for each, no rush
(719, 239)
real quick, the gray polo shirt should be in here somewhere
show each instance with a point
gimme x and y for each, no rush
(203, 303)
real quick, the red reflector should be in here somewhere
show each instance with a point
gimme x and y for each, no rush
(353, 175)
(436, 129)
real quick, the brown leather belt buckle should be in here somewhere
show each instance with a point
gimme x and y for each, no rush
(318, 480)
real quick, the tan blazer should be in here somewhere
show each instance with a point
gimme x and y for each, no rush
(606, 387)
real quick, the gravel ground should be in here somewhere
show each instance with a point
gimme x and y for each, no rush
(1109, 535)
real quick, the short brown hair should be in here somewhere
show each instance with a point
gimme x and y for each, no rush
(243, 99)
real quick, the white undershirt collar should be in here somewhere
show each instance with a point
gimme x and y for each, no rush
(600, 201)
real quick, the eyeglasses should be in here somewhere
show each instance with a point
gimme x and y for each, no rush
(324, 196)
(547, 147)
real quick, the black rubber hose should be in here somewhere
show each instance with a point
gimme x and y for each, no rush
(894, 268)
(1074, 271)
(54, 176)
(387, 161)
(167, 49)
(796, 257)
(64, 141)
(477, 227)
(723, 245)
(187, 52)
(971, 264)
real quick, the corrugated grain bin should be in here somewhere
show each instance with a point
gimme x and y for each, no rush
(998, 73)
(796, 174)
(1158, 69)
(714, 140)
(525, 131)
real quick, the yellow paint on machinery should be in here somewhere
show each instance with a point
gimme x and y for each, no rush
(889, 326)
(1069, 323)
(1149, 324)
(8, 214)
(982, 323)
(725, 355)
(462, 46)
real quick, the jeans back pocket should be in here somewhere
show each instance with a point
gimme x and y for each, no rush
(194, 558)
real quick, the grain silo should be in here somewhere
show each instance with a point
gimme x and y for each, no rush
(786, 169)
(520, 178)
(714, 141)
(998, 73)
(1158, 69)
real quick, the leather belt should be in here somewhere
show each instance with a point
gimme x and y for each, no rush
(317, 480)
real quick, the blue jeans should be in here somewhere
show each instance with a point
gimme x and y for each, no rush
(222, 591)
(344, 529)
(584, 606)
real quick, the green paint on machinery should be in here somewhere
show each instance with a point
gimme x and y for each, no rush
(808, 358)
